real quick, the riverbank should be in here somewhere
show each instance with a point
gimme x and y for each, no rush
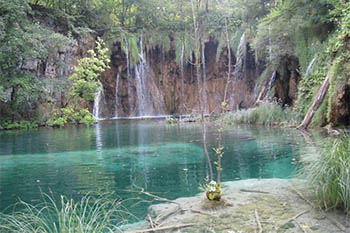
(267, 205)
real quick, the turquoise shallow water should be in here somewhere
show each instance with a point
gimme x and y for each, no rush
(116, 155)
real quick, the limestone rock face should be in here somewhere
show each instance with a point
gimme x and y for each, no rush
(340, 110)
(55, 77)
(167, 89)
(287, 80)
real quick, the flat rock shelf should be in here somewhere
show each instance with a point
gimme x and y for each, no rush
(266, 205)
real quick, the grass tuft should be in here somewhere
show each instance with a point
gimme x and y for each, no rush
(92, 213)
(329, 175)
(267, 113)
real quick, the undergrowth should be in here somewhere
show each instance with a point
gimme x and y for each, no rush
(91, 214)
(267, 113)
(21, 125)
(328, 174)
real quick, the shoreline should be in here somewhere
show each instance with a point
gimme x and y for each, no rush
(266, 205)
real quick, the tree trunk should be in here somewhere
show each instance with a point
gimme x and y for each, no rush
(317, 103)
(264, 89)
(228, 50)
(197, 40)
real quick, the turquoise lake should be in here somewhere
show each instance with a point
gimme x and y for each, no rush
(115, 156)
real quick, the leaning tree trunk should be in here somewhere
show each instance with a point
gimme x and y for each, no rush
(265, 89)
(317, 102)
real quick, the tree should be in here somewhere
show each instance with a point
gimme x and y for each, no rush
(23, 41)
(86, 83)
(86, 75)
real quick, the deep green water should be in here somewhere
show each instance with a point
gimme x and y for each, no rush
(115, 155)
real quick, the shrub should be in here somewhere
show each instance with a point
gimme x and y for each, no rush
(329, 175)
(90, 214)
(22, 125)
(86, 117)
(69, 115)
(171, 120)
(85, 79)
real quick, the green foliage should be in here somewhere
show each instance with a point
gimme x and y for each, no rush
(85, 85)
(279, 29)
(320, 117)
(86, 74)
(93, 213)
(130, 46)
(55, 121)
(293, 28)
(306, 47)
(24, 45)
(335, 57)
(183, 47)
(171, 121)
(160, 39)
(69, 115)
(86, 117)
(308, 86)
(329, 176)
(3, 94)
(21, 125)
(267, 113)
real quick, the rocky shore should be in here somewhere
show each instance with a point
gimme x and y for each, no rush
(267, 205)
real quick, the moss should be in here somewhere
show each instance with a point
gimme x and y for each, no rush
(272, 212)
(320, 117)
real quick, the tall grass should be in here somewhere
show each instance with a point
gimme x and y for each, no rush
(90, 214)
(329, 175)
(267, 113)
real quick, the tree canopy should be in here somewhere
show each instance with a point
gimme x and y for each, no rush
(31, 30)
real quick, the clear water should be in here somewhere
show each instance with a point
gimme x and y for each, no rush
(115, 155)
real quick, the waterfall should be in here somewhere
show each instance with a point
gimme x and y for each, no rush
(116, 96)
(204, 89)
(127, 55)
(182, 64)
(144, 96)
(147, 94)
(241, 55)
(272, 81)
(98, 97)
(140, 76)
(128, 69)
(308, 70)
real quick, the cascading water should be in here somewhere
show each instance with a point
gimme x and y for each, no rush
(98, 97)
(116, 95)
(144, 98)
(127, 55)
(239, 69)
(140, 76)
(148, 97)
(182, 63)
(241, 55)
(272, 81)
(308, 70)
(204, 89)
(128, 69)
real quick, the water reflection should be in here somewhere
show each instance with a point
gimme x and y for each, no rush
(117, 155)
